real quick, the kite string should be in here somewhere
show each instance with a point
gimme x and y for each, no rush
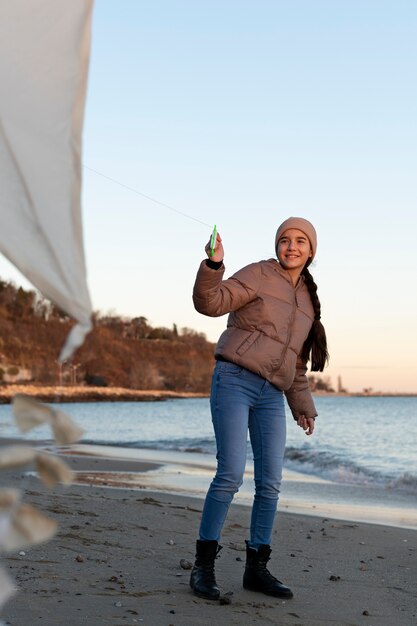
(139, 193)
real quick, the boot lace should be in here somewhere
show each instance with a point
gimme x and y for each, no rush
(206, 566)
(265, 573)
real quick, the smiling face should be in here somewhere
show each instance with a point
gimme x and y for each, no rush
(293, 251)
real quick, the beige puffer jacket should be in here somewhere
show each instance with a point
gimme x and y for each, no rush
(268, 323)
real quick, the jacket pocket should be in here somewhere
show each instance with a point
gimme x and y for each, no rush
(227, 368)
(248, 342)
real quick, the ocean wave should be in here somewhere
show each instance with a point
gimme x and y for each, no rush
(341, 470)
(200, 446)
(306, 460)
(406, 482)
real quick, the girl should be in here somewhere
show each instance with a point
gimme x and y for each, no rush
(272, 331)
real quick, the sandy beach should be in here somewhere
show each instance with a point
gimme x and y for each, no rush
(119, 557)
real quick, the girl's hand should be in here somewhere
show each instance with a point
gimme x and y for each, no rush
(218, 250)
(306, 423)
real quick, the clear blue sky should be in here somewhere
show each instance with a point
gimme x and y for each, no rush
(243, 113)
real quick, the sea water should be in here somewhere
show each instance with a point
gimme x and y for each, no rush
(358, 440)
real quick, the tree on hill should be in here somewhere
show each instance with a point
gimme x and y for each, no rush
(119, 351)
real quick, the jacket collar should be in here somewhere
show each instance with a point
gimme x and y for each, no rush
(285, 274)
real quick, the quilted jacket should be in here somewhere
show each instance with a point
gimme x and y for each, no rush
(269, 320)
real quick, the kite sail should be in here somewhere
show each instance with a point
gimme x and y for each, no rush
(44, 55)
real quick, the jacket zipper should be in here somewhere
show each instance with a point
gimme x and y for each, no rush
(291, 325)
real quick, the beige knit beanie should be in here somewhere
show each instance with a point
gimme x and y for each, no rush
(301, 224)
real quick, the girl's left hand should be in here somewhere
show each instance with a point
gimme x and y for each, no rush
(306, 423)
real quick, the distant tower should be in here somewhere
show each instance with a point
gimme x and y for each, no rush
(339, 384)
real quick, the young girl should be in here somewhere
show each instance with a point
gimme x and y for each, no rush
(272, 331)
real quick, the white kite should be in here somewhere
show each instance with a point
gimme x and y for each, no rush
(44, 54)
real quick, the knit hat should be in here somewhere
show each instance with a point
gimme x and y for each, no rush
(301, 224)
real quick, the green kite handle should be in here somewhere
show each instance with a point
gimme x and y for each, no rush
(213, 240)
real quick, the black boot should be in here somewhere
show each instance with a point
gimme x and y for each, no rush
(202, 580)
(258, 578)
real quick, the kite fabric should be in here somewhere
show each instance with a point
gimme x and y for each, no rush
(44, 55)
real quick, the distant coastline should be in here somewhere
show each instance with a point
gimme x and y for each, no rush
(366, 394)
(81, 393)
(84, 393)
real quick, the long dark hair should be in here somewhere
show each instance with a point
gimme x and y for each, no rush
(315, 346)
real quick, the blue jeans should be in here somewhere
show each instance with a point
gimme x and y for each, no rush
(240, 400)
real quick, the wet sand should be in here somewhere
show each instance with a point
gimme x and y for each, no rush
(116, 559)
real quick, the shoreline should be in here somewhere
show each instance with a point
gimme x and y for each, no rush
(84, 393)
(189, 474)
(119, 554)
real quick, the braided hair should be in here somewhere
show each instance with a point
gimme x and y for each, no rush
(315, 346)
